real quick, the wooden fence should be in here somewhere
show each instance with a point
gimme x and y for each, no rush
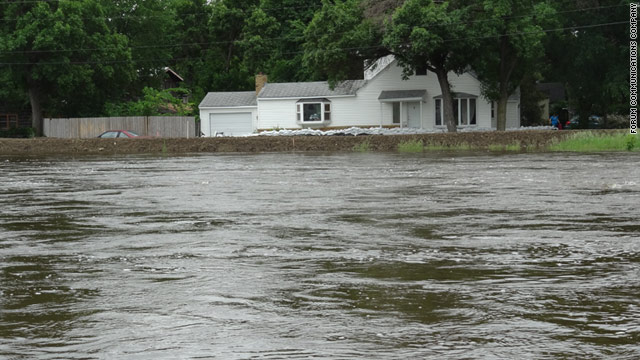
(160, 126)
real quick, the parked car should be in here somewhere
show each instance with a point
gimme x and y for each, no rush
(112, 134)
(594, 122)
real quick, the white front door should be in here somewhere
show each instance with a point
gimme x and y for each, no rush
(413, 114)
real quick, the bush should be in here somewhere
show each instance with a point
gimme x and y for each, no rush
(364, 146)
(411, 146)
(18, 133)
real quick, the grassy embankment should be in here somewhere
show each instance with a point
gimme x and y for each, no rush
(586, 141)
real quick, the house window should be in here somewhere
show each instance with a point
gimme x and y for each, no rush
(396, 113)
(421, 70)
(310, 112)
(464, 111)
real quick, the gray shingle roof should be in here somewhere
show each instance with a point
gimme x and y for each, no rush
(229, 99)
(309, 89)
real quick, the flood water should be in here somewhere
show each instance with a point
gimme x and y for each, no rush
(331, 256)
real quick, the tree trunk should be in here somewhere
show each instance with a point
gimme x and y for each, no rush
(501, 112)
(36, 109)
(447, 100)
(508, 63)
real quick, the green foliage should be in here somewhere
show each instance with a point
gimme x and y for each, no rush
(632, 141)
(449, 147)
(592, 61)
(421, 32)
(588, 141)
(426, 33)
(364, 146)
(154, 102)
(411, 146)
(339, 40)
(64, 55)
(18, 133)
(516, 146)
(78, 58)
(512, 46)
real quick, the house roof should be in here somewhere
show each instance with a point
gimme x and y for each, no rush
(391, 95)
(309, 89)
(229, 99)
(173, 74)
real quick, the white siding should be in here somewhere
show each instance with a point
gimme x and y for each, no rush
(205, 114)
(365, 110)
(513, 114)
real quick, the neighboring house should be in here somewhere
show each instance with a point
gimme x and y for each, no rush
(172, 80)
(381, 99)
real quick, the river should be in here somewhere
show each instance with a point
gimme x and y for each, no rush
(329, 256)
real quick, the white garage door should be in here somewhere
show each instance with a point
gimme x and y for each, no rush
(232, 124)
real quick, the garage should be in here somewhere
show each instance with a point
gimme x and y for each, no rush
(230, 124)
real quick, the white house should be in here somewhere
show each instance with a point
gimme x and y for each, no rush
(383, 99)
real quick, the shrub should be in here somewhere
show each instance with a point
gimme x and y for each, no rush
(411, 146)
(18, 133)
(364, 146)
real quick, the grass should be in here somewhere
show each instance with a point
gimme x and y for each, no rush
(411, 146)
(455, 147)
(364, 146)
(588, 141)
(164, 148)
(516, 146)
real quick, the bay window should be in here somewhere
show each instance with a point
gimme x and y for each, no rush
(313, 111)
(464, 110)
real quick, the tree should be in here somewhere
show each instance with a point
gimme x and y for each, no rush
(282, 58)
(63, 55)
(512, 43)
(149, 26)
(339, 40)
(153, 102)
(426, 33)
(592, 57)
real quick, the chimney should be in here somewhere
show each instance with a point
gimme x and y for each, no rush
(261, 80)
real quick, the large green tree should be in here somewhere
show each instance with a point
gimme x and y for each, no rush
(63, 55)
(149, 26)
(433, 34)
(340, 39)
(279, 36)
(591, 57)
(511, 34)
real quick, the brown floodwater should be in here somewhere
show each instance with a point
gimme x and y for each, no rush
(334, 256)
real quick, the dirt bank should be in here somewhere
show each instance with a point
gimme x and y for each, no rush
(41, 146)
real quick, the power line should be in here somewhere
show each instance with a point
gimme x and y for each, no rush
(323, 50)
